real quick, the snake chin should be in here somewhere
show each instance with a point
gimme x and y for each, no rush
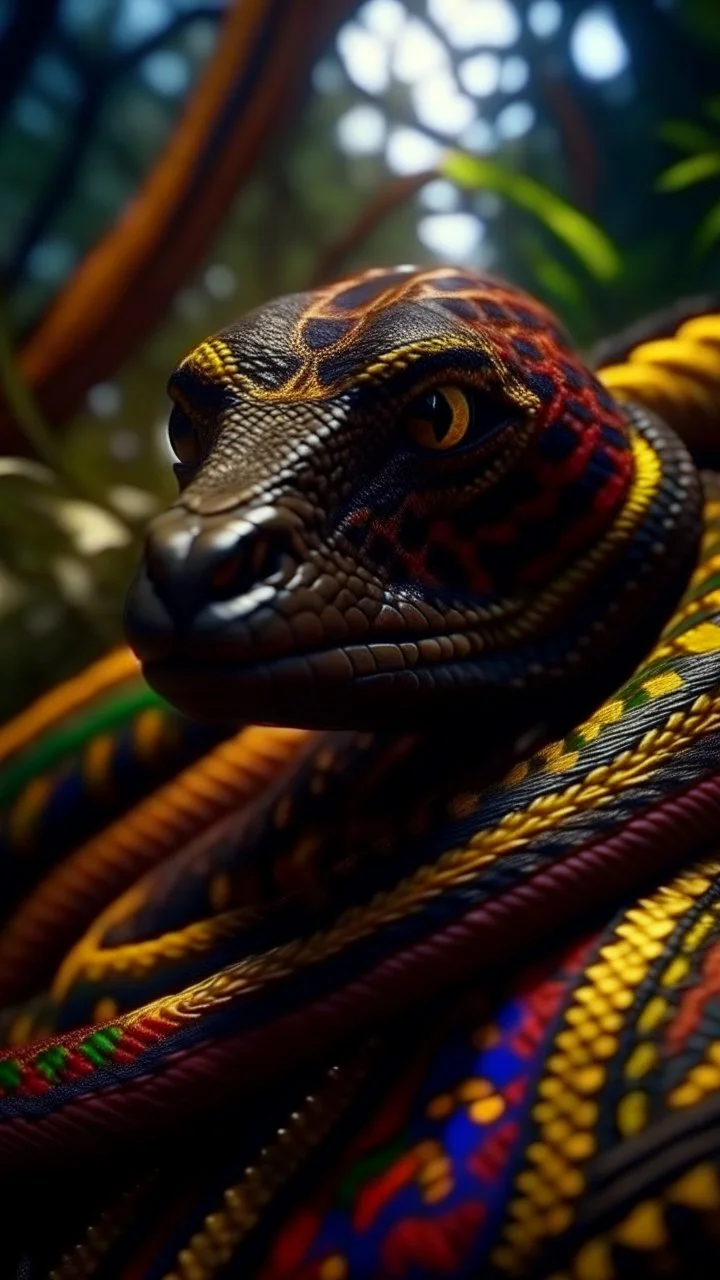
(228, 663)
(320, 691)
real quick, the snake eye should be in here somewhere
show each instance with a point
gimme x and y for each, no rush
(184, 439)
(440, 419)
(446, 417)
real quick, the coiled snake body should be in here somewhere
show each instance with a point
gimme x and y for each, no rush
(421, 979)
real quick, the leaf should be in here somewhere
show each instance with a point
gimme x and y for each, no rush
(578, 233)
(26, 469)
(556, 279)
(90, 528)
(687, 172)
(708, 233)
(688, 136)
(136, 504)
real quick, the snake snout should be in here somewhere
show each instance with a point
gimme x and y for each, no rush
(194, 561)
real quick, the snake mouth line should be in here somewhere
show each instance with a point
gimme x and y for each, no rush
(356, 655)
(332, 688)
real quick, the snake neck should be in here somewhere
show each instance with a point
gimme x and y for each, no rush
(599, 619)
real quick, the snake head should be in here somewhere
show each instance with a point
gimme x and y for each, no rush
(403, 498)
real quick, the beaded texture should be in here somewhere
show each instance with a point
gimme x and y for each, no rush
(317, 1005)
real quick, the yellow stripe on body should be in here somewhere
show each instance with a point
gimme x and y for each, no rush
(677, 377)
(115, 668)
(591, 1036)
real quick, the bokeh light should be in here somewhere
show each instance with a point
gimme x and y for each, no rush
(544, 18)
(452, 236)
(469, 23)
(597, 47)
(362, 130)
(365, 57)
(409, 151)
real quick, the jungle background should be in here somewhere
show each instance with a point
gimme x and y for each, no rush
(165, 165)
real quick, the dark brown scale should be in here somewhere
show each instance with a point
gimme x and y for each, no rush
(450, 282)
(527, 349)
(571, 376)
(561, 445)
(413, 531)
(360, 294)
(318, 333)
(460, 308)
(380, 549)
(446, 566)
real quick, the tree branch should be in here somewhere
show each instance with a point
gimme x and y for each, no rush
(390, 197)
(100, 78)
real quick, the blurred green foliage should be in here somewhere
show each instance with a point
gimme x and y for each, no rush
(607, 205)
(701, 165)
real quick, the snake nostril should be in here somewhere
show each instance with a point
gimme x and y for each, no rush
(223, 575)
(257, 557)
(269, 557)
(193, 562)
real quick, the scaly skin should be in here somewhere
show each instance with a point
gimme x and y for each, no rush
(323, 567)
(414, 528)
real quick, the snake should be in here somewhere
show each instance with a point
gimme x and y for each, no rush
(361, 918)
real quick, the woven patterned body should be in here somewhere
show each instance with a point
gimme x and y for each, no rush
(324, 1003)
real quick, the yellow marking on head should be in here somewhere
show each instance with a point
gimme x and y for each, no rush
(211, 360)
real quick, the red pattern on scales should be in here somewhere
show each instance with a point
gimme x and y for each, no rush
(574, 465)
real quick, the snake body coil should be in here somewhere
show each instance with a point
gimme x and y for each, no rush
(417, 975)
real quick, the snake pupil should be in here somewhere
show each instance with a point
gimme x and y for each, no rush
(440, 415)
(441, 418)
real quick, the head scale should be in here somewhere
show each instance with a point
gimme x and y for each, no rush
(401, 496)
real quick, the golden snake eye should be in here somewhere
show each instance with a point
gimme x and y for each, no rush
(184, 439)
(440, 419)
